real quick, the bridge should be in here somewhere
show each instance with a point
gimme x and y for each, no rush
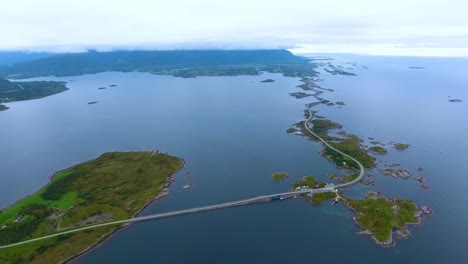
(258, 199)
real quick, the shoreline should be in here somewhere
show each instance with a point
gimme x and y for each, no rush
(164, 192)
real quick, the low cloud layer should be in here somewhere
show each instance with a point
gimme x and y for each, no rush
(398, 27)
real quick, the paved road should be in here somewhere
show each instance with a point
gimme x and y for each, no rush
(259, 199)
(361, 168)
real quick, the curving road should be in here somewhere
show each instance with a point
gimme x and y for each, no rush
(258, 199)
(361, 168)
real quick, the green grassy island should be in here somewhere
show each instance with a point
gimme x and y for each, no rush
(400, 146)
(116, 185)
(380, 216)
(378, 150)
(279, 176)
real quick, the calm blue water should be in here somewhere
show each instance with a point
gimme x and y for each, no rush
(231, 132)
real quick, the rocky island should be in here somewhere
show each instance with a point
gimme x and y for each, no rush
(116, 185)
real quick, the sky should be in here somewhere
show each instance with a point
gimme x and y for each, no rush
(396, 27)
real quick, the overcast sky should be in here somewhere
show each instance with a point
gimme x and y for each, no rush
(396, 27)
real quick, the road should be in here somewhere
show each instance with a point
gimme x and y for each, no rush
(258, 199)
(361, 168)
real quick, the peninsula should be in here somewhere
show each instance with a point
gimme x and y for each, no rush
(116, 185)
(20, 91)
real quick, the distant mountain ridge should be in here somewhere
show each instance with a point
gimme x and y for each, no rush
(148, 61)
(13, 57)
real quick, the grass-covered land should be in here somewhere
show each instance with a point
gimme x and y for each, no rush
(279, 176)
(321, 127)
(381, 216)
(320, 198)
(378, 150)
(114, 186)
(350, 146)
(400, 146)
(19, 91)
(309, 182)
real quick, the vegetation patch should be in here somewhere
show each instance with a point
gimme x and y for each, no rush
(114, 186)
(378, 150)
(20, 91)
(308, 182)
(400, 146)
(291, 130)
(321, 197)
(380, 216)
(279, 176)
(268, 81)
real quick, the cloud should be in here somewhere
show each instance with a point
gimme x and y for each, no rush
(429, 27)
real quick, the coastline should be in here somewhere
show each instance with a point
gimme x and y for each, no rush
(164, 192)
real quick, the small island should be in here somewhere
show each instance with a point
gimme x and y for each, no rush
(116, 185)
(279, 176)
(396, 173)
(381, 217)
(93, 102)
(378, 150)
(102, 88)
(400, 146)
(267, 81)
(416, 67)
(113, 85)
(340, 103)
(455, 101)
(300, 95)
(3, 107)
